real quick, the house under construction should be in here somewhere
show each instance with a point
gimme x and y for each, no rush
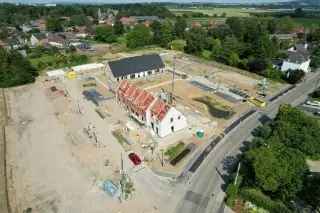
(153, 112)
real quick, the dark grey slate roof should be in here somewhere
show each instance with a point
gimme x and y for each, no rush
(135, 64)
(298, 57)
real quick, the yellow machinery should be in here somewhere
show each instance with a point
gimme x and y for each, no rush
(257, 102)
(71, 75)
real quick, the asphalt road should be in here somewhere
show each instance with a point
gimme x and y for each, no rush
(204, 191)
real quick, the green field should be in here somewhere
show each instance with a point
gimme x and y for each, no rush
(205, 20)
(308, 22)
(230, 12)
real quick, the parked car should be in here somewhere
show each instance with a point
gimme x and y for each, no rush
(134, 158)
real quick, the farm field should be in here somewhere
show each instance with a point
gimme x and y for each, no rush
(308, 22)
(230, 12)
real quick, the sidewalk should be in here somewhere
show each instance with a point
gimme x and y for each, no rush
(3, 178)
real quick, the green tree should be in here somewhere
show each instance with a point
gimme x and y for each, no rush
(156, 29)
(15, 69)
(311, 191)
(295, 76)
(196, 41)
(178, 45)
(180, 27)
(278, 170)
(273, 74)
(140, 36)
(315, 57)
(314, 36)
(285, 25)
(166, 34)
(54, 24)
(298, 131)
(216, 48)
(258, 65)
(118, 27)
(105, 34)
(79, 20)
(237, 26)
(3, 33)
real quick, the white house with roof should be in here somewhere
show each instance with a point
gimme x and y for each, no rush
(298, 59)
(153, 112)
(165, 120)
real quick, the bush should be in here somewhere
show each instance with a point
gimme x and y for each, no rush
(261, 200)
(232, 191)
(105, 34)
(315, 94)
(15, 69)
(173, 151)
(295, 76)
(178, 45)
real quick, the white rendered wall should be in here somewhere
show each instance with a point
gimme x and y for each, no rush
(164, 126)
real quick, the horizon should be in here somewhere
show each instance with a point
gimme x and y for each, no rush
(143, 1)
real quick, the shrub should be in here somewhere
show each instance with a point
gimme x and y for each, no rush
(295, 76)
(232, 191)
(258, 198)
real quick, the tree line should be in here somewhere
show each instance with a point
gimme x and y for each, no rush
(245, 43)
(274, 169)
(15, 15)
(15, 69)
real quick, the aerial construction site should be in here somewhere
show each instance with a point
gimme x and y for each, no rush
(121, 135)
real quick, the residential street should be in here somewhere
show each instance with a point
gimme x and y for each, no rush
(205, 192)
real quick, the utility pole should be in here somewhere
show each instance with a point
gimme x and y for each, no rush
(122, 179)
(162, 158)
(235, 180)
(173, 76)
(79, 108)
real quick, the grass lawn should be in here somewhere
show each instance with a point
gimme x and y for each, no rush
(173, 151)
(47, 61)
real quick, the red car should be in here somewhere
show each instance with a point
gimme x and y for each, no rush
(134, 158)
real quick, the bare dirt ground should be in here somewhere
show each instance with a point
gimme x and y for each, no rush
(185, 93)
(56, 169)
(218, 73)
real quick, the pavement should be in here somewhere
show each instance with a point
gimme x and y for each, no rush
(204, 191)
(3, 184)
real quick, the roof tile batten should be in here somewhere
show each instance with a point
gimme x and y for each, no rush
(136, 98)
(160, 109)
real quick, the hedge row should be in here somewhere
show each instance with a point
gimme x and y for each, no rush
(258, 198)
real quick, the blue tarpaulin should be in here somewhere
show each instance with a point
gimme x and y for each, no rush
(110, 188)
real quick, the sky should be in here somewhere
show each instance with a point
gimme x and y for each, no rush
(133, 1)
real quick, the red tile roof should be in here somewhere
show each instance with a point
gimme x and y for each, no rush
(137, 99)
(159, 109)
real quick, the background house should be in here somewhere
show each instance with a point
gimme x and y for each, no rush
(298, 59)
(38, 39)
(128, 22)
(136, 67)
(56, 40)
